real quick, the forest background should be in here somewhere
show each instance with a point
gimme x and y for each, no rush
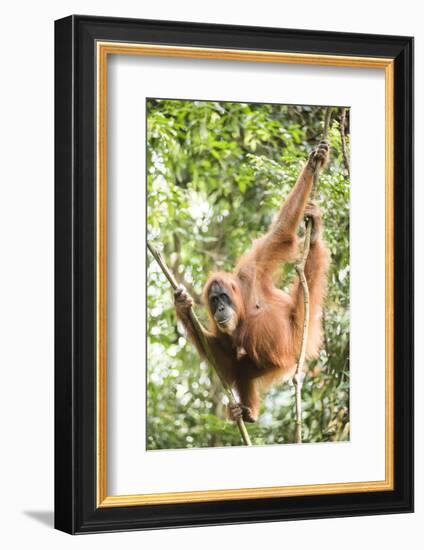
(216, 174)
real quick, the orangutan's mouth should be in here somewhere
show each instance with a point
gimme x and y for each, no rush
(224, 321)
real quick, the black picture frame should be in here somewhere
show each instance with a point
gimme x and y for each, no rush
(76, 509)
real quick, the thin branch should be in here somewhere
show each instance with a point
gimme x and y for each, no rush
(198, 329)
(300, 269)
(324, 326)
(343, 136)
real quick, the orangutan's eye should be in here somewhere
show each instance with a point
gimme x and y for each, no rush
(225, 298)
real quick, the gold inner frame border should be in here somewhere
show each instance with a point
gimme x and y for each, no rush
(103, 50)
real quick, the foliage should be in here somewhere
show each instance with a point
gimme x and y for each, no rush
(217, 172)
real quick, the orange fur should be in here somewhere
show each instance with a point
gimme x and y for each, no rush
(269, 321)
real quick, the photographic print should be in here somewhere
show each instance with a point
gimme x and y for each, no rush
(247, 274)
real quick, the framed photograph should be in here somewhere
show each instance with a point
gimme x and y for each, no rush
(234, 274)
